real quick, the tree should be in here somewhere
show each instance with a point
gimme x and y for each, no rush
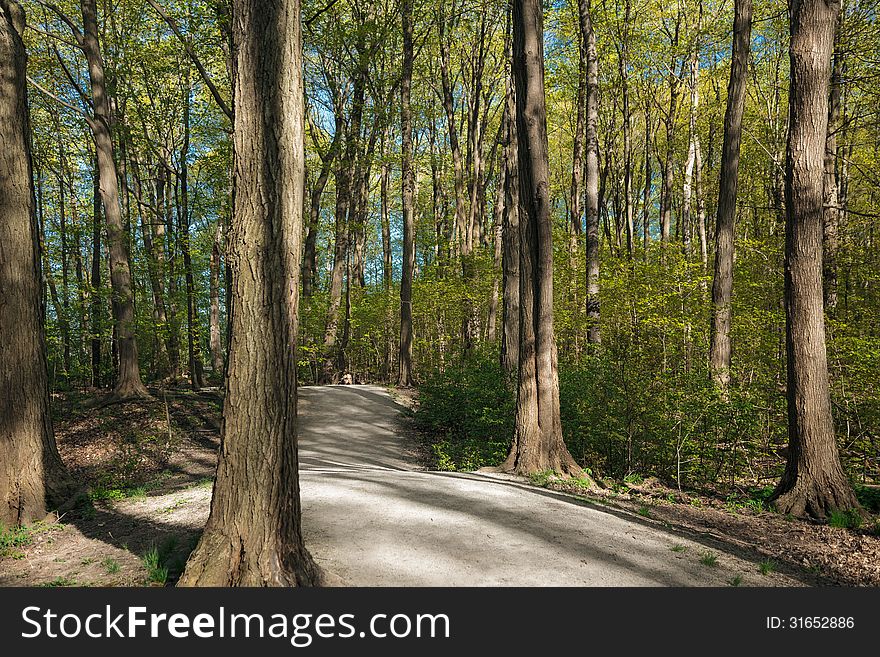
(538, 443)
(405, 377)
(813, 483)
(510, 231)
(253, 536)
(725, 219)
(591, 169)
(128, 379)
(32, 477)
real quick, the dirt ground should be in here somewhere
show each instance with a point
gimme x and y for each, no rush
(148, 467)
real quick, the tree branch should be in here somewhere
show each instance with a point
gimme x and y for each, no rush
(192, 55)
(77, 34)
(73, 82)
(59, 100)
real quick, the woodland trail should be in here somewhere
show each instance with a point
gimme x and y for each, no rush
(373, 517)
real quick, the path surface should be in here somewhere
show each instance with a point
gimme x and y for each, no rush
(372, 517)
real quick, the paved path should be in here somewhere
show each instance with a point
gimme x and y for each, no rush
(372, 517)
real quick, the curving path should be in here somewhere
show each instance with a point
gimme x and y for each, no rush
(373, 517)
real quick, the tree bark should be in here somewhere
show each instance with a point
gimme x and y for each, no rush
(623, 64)
(215, 342)
(193, 332)
(97, 324)
(405, 374)
(253, 535)
(832, 205)
(813, 483)
(128, 381)
(537, 445)
(725, 218)
(32, 477)
(666, 190)
(591, 171)
(510, 234)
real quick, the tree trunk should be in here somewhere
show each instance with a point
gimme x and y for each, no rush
(215, 342)
(510, 235)
(97, 324)
(32, 477)
(687, 222)
(646, 202)
(461, 215)
(591, 171)
(497, 229)
(405, 374)
(813, 483)
(253, 535)
(157, 287)
(666, 190)
(193, 332)
(832, 205)
(538, 445)
(725, 219)
(128, 381)
(623, 63)
(385, 183)
(310, 255)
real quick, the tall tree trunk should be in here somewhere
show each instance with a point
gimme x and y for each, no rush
(497, 229)
(591, 170)
(32, 477)
(215, 342)
(646, 201)
(832, 206)
(337, 274)
(725, 219)
(164, 226)
(385, 183)
(666, 190)
(813, 483)
(687, 219)
(128, 381)
(253, 535)
(157, 285)
(510, 232)
(461, 215)
(310, 254)
(405, 373)
(537, 444)
(623, 64)
(193, 332)
(97, 324)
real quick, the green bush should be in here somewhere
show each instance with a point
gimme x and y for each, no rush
(468, 413)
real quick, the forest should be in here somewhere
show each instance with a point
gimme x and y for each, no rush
(593, 243)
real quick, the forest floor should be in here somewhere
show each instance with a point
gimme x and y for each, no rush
(374, 515)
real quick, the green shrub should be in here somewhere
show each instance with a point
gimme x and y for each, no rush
(468, 414)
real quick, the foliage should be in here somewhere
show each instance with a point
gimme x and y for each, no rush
(468, 411)
(846, 519)
(157, 572)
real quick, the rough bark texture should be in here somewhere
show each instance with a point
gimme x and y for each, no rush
(32, 478)
(128, 380)
(722, 283)
(591, 171)
(405, 376)
(253, 535)
(813, 483)
(538, 445)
